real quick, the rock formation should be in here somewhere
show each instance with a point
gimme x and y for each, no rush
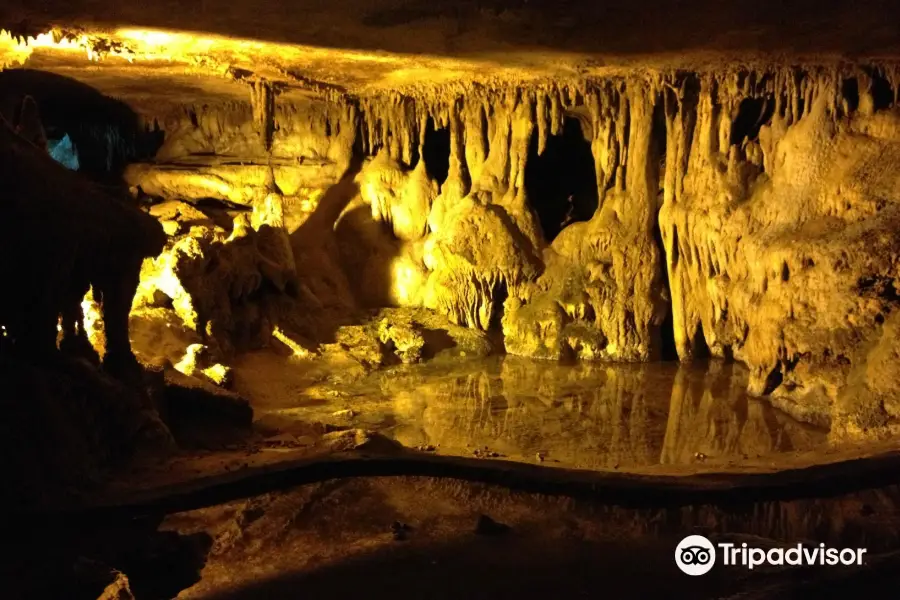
(739, 212)
(66, 236)
(745, 211)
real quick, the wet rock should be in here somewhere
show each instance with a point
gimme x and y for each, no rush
(400, 531)
(489, 527)
(191, 399)
(360, 344)
(94, 574)
(485, 453)
(226, 287)
(404, 341)
(220, 375)
(195, 359)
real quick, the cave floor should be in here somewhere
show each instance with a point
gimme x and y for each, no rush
(438, 538)
(338, 539)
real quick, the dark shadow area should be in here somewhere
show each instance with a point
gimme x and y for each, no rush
(483, 567)
(699, 348)
(850, 92)
(561, 183)
(516, 564)
(882, 91)
(436, 152)
(436, 341)
(501, 293)
(753, 113)
(84, 561)
(773, 380)
(210, 419)
(367, 249)
(332, 204)
(106, 133)
(495, 325)
(667, 349)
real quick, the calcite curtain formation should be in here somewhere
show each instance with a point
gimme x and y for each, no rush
(741, 212)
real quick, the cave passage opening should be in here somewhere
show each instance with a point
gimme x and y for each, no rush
(882, 91)
(436, 152)
(561, 182)
(752, 114)
(82, 128)
(850, 93)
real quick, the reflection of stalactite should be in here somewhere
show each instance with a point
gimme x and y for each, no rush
(714, 417)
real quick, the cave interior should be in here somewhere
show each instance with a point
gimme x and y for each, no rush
(297, 295)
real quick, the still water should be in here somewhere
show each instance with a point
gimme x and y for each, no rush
(585, 415)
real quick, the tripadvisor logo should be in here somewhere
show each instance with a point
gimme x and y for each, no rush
(696, 555)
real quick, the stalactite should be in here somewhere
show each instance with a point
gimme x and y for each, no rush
(541, 121)
(262, 101)
(458, 181)
(522, 127)
(556, 113)
(475, 142)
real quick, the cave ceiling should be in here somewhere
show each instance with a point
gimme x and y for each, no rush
(203, 50)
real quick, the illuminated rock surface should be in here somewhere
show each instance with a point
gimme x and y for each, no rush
(738, 212)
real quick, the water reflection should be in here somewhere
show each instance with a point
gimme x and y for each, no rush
(590, 416)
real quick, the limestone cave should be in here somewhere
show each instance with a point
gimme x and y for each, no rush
(433, 300)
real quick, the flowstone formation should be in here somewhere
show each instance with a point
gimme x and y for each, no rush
(758, 206)
(779, 223)
(744, 213)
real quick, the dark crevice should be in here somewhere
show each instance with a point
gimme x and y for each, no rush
(666, 339)
(495, 326)
(699, 347)
(773, 380)
(881, 90)
(485, 130)
(500, 295)
(883, 288)
(561, 183)
(850, 92)
(676, 251)
(753, 113)
(436, 152)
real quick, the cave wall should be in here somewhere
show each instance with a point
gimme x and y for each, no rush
(740, 213)
(781, 246)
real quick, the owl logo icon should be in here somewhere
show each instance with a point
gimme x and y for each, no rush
(695, 555)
